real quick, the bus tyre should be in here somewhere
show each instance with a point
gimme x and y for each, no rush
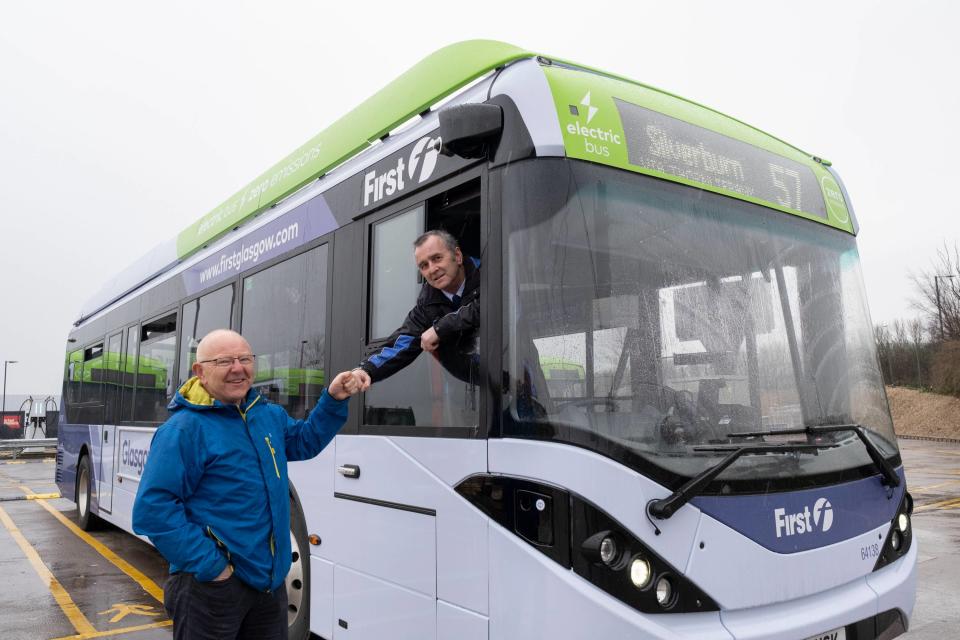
(85, 519)
(298, 578)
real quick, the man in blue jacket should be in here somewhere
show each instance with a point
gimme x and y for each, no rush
(214, 498)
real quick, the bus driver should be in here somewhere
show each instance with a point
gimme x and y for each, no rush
(444, 321)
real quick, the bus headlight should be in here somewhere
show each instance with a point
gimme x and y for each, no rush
(604, 548)
(664, 592)
(895, 540)
(589, 542)
(609, 551)
(612, 558)
(640, 572)
(899, 536)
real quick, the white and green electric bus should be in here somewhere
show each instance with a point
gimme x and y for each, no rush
(674, 424)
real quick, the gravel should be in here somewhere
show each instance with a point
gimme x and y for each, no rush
(925, 414)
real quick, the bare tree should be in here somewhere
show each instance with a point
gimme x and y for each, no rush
(900, 333)
(938, 290)
(900, 353)
(882, 337)
(904, 352)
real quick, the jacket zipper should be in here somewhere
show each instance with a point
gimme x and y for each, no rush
(273, 454)
(243, 416)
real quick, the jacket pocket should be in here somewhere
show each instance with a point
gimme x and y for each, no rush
(220, 543)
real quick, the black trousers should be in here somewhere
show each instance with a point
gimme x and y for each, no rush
(226, 610)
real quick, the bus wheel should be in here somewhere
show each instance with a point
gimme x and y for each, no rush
(86, 520)
(298, 578)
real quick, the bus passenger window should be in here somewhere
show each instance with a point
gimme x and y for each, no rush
(200, 317)
(83, 400)
(129, 375)
(72, 383)
(284, 318)
(158, 340)
(91, 391)
(112, 378)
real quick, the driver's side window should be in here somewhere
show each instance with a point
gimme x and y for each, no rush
(424, 393)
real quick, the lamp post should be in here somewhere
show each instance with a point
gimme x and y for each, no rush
(936, 285)
(5, 363)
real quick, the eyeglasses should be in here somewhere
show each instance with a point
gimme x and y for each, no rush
(227, 361)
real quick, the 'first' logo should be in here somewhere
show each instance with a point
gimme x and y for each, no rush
(418, 166)
(788, 524)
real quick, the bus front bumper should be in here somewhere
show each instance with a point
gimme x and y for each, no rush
(877, 606)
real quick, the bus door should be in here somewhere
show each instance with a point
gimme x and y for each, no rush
(409, 554)
(112, 376)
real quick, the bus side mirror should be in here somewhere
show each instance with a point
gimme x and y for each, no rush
(470, 130)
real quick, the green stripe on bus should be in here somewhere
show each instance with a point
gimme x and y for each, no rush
(432, 79)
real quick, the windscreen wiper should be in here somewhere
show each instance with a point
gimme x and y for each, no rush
(889, 475)
(666, 507)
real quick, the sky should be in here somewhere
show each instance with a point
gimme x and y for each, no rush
(122, 123)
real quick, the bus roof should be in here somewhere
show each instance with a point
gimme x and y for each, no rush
(431, 80)
(589, 105)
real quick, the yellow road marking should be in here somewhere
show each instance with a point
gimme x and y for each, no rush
(34, 496)
(16, 462)
(122, 610)
(116, 632)
(943, 504)
(76, 618)
(148, 585)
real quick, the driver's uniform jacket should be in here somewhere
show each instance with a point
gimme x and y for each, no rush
(214, 488)
(456, 327)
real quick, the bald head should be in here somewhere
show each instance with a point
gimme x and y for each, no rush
(217, 339)
(228, 384)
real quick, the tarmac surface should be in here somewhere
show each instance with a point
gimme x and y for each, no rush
(57, 581)
(933, 479)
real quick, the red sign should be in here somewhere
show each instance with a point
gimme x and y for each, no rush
(13, 422)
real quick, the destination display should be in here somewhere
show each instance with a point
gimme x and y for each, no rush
(659, 142)
(638, 128)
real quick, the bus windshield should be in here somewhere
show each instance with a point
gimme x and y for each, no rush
(649, 321)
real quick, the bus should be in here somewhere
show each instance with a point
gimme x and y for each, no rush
(673, 424)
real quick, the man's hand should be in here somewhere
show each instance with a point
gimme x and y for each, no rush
(429, 340)
(226, 573)
(362, 378)
(345, 384)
